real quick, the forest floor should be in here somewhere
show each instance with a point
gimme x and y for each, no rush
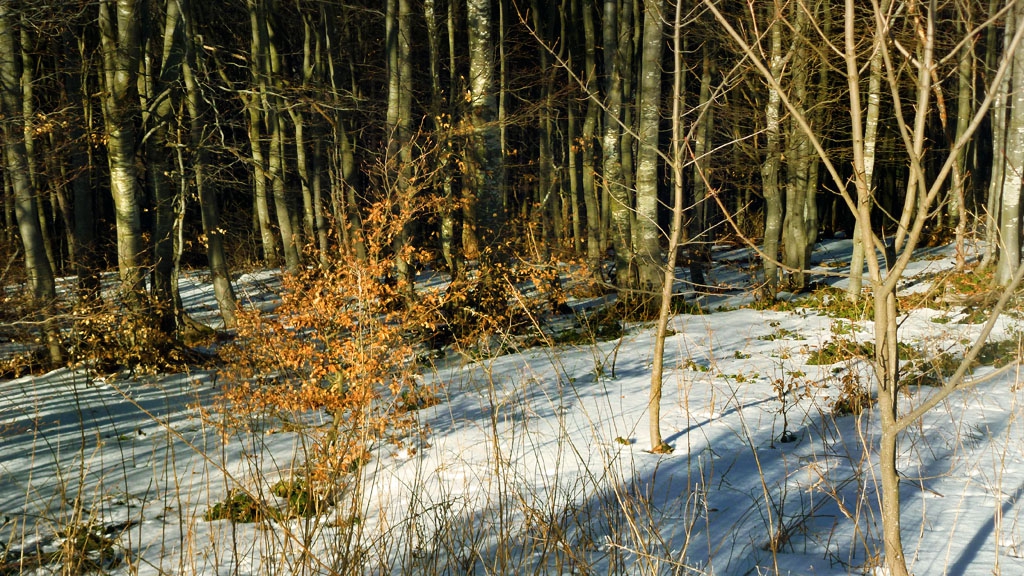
(536, 461)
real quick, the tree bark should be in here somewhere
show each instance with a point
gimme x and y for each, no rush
(398, 128)
(591, 200)
(772, 162)
(647, 234)
(798, 152)
(486, 167)
(158, 102)
(216, 255)
(37, 266)
(1013, 157)
(658, 444)
(120, 48)
(700, 233)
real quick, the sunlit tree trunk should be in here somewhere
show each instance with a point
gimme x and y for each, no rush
(772, 161)
(853, 291)
(274, 113)
(676, 159)
(254, 115)
(1013, 156)
(398, 128)
(647, 234)
(158, 100)
(119, 22)
(486, 168)
(37, 266)
(995, 186)
(619, 197)
(588, 149)
(798, 157)
(28, 115)
(957, 205)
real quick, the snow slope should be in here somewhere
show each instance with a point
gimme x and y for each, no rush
(535, 462)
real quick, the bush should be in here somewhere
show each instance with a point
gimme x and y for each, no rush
(343, 342)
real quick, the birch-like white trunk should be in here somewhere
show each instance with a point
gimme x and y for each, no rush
(647, 234)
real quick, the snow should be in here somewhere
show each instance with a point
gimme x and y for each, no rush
(536, 461)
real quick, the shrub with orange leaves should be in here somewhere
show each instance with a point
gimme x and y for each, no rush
(343, 342)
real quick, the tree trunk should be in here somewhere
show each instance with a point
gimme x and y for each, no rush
(647, 234)
(253, 105)
(78, 168)
(120, 47)
(957, 205)
(398, 127)
(274, 113)
(772, 162)
(28, 115)
(158, 104)
(618, 194)
(658, 445)
(1013, 157)
(220, 274)
(700, 235)
(591, 200)
(37, 267)
(995, 186)
(486, 168)
(798, 151)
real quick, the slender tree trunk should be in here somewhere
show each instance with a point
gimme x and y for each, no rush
(37, 267)
(276, 171)
(798, 160)
(398, 126)
(995, 187)
(158, 103)
(1013, 155)
(772, 162)
(647, 234)
(658, 445)
(547, 189)
(274, 113)
(591, 199)
(618, 194)
(486, 170)
(628, 41)
(700, 232)
(253, 107)
(220, 273)
(957, 206)
(28, 116)
(120, 48)
(79, 166)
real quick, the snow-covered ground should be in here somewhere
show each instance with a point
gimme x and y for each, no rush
(536, 461)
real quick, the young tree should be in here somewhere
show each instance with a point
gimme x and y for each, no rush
(906, 80)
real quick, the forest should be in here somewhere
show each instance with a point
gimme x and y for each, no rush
(144, 136)
(605, 142)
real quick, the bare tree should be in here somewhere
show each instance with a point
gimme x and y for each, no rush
(119, 24)
(646, 233)
(37, 266)
(923, 190)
